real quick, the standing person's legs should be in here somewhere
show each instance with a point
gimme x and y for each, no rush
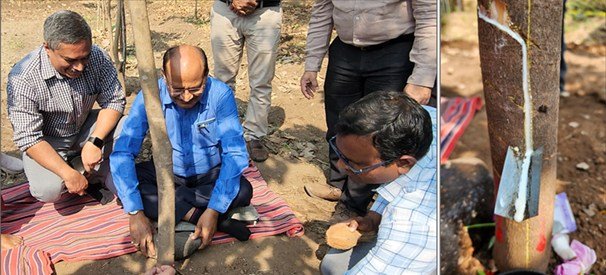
(227, 43)
(262, 32)
(384, 69)
(389, 67)
(339, 261)
(343, 86)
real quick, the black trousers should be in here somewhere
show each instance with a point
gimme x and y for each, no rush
(190, 192)
(352, 74)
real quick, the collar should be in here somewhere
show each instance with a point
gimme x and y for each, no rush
(406, 183)
(419, 176)
(46, 68)
(412, 181)
(164, 95)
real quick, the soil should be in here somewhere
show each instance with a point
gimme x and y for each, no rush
(581, 125)
(299, 154)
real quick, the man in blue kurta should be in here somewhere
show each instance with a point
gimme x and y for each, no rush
(209, 154)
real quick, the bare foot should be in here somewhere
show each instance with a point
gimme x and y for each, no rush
(8, 241)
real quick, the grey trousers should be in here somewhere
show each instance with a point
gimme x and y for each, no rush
(46, 186)
(339, 261)
(260, 31)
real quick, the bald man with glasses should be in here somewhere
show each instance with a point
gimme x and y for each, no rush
(209, 155)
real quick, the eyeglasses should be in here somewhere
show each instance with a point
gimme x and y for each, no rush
(179, 91)
(348, 164)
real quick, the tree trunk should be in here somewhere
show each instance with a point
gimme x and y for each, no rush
(161, 146)
(196, 10)
(524, 245)
(107, 19)
(118, 42)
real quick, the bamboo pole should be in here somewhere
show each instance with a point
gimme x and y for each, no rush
(161, 146)
(505, 28)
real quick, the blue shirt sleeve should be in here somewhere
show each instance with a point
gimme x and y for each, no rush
(234, 157)
(126, 149)
(379, 205)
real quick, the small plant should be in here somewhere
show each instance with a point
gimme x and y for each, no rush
(199, 21)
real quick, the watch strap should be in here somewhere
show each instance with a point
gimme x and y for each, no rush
(96, 141)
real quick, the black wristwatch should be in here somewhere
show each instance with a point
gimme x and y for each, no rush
(96, 141)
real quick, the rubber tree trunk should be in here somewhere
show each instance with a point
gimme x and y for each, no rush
(524, 245)
(161, 146)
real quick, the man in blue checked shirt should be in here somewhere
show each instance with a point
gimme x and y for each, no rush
(209, 156)
(388, 139)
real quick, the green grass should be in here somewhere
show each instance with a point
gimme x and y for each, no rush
(200, 21)
(581, 10)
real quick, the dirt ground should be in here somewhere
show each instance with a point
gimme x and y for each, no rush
(582, 120)
(297, 125)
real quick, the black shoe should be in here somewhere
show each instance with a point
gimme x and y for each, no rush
(100, 193)
(235, 228)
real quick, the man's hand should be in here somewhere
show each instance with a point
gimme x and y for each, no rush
(91, 156)
(309, 84)
(419, 93)
(206, 227)
(75, 182)
(368, 223)
(142, 234)
(243, 7)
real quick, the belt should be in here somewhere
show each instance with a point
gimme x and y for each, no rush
(260, 3)
(402, 38)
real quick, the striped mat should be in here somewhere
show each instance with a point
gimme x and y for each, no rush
(24, 260)
(456, 114)
(78, 228)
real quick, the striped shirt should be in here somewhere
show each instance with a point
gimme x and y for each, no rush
(407, 237)
(41, 102)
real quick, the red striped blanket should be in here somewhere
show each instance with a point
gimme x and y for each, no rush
(25, 261)
(456, 114)
(78, 228)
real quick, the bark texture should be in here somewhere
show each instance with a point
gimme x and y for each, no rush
(524, 245)
(118, 42)
(161, 146)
